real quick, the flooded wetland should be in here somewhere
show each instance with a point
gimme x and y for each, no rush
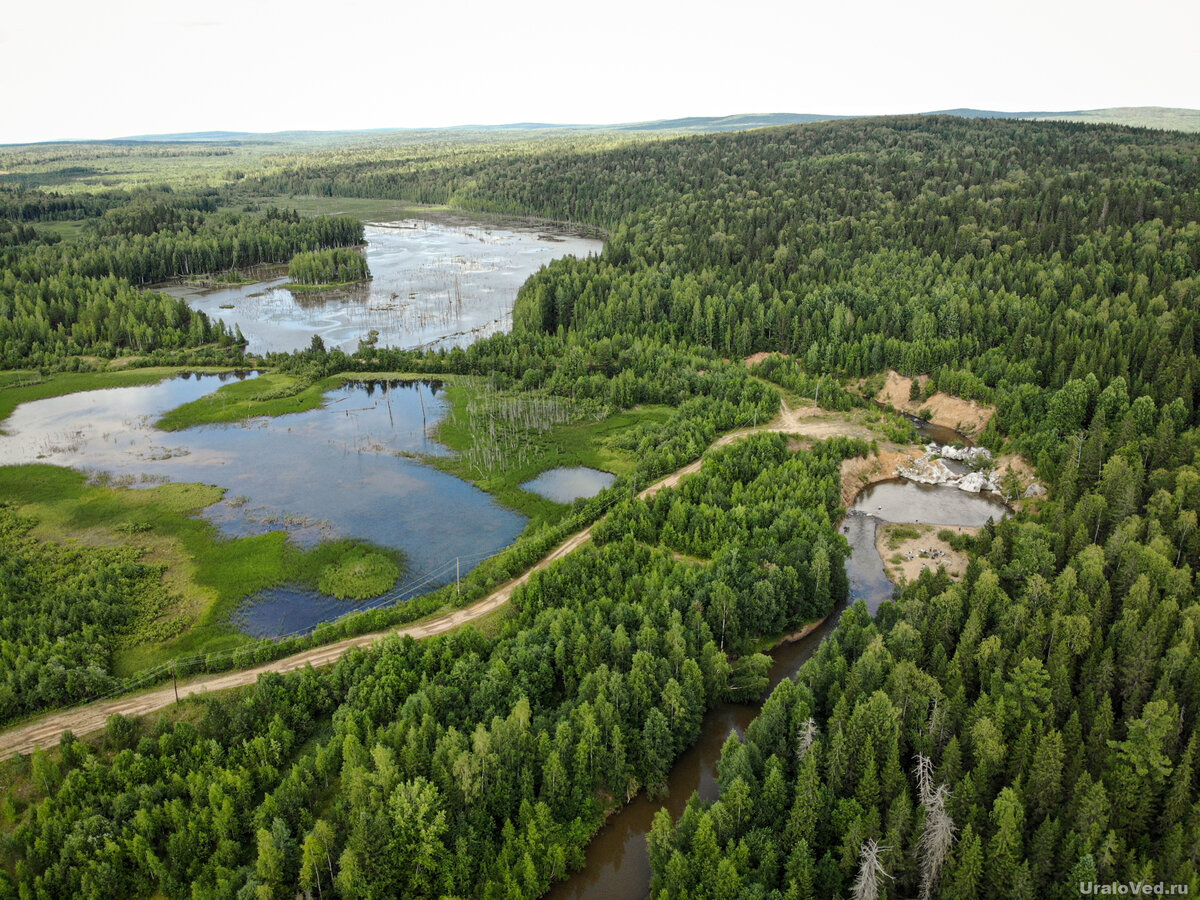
(350, 469)
(356, 468)
(432, 285)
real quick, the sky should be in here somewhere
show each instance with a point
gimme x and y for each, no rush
(79, 69)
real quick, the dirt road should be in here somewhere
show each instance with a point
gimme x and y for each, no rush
(82, 720)
(46, 730)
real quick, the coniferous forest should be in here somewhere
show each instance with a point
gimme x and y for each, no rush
(1031, 727)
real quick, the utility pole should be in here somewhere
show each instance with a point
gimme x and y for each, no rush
(457, 585)
(174, 681)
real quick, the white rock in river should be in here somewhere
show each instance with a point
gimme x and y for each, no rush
(974, 482)
(962, 454)
(933, 471)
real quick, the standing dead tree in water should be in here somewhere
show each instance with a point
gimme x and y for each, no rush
(937, 837)
(502, 425)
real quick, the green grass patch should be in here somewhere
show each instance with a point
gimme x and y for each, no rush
(67, 229)
(491, 625)
(233, 278)
(271, 394)
(359, 574)
(767, 642)
(585, 442)
(206, 576)
(897, 534)
(266, 395)
(366, 210)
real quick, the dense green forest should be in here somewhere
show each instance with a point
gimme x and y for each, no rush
(997, 256)
(63, 610)
(48, 206)
(1028, 729)
(62, 299)
(333, 266)
(487, 762)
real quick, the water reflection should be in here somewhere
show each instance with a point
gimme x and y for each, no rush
(906, 501)
(435, 285)
(864, 567)
(564, 484)
(940, 434)
(349, 469)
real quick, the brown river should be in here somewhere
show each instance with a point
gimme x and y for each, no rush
(617, 862)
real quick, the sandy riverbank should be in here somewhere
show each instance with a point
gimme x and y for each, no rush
(907, 549)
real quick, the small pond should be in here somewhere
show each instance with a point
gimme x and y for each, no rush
(928, 431)
(938, 433)
(563, 485)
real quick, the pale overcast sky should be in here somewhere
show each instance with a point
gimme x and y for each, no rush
(88, 69)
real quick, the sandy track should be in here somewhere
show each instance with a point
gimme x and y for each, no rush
(46, 730)
(909, 569)
(92, 717)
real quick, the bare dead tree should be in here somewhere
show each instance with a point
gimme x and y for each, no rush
(805, 736)
(924, 778)
(937, 837)
(870, 871)
(502, 426)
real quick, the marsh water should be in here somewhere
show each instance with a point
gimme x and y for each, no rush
(352, 468)
(564, 484)
(432, 285)
(617, 861)
(347, 470)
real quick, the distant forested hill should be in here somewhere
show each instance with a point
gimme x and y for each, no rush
(1138, 116)
(1171, 119)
